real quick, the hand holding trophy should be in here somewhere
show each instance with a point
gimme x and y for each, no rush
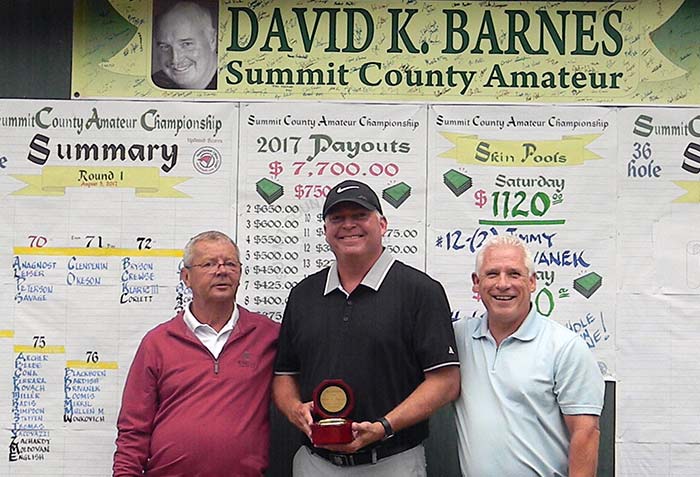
(333, 401)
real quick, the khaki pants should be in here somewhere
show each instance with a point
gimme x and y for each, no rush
(410, 463)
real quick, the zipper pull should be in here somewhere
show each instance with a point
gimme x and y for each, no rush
(216, 366)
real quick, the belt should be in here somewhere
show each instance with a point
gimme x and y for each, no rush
(370, 456)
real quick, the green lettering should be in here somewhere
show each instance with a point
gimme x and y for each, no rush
(236, 31)
(548, 80)
(351, 29)
(452, 30)
(579, 80)
(557, 35)
(400, 31)
(363, 73)
(496, 75)
(237, 76)
(516, 33)
(279, 76)
(308, 39)
(613, 33)
(584, 32)
(487, 31)
(523, 79)
(276, 31)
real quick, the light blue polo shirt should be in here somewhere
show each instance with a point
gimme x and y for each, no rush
(509, 415)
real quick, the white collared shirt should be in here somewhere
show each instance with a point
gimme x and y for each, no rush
(374, 278)
(213, 341)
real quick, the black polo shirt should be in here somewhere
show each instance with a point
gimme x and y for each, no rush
(380, 340)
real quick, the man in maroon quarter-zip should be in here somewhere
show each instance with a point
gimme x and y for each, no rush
(196, 400)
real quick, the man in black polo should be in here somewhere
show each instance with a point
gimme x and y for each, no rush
(381, 327)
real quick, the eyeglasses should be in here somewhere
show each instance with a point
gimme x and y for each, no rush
(213, 266)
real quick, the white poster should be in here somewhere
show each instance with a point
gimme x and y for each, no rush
(291, 155)
(658, 174)
(98, 200)
(544, 175)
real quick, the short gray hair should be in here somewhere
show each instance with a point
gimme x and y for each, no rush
(209, 236)
(195, 11)
(503, 240)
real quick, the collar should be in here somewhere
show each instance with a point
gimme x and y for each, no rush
(526, 332)
(373, 279)
(193, 323)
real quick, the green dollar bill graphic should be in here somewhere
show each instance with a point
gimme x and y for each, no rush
(397, 194)
(588, 284)
(268, 190)
(457, 182)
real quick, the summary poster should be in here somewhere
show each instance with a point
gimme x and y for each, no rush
(99, 199)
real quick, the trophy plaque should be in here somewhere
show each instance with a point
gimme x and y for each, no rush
(333, 401)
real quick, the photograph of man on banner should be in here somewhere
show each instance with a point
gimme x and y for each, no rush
(184, 45)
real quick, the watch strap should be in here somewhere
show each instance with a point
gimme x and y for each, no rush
(388, 430)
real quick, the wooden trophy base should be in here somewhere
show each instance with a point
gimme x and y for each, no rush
(331, 432)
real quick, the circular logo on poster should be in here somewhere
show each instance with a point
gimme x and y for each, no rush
(206, 160)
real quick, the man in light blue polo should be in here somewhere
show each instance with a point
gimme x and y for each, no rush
(532, 392)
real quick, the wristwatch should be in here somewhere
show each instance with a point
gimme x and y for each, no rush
(388, 430)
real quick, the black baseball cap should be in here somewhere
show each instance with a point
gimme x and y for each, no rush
(352, 191)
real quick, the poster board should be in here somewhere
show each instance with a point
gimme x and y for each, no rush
(91, 239)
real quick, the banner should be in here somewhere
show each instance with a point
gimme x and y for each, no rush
(628, 52)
